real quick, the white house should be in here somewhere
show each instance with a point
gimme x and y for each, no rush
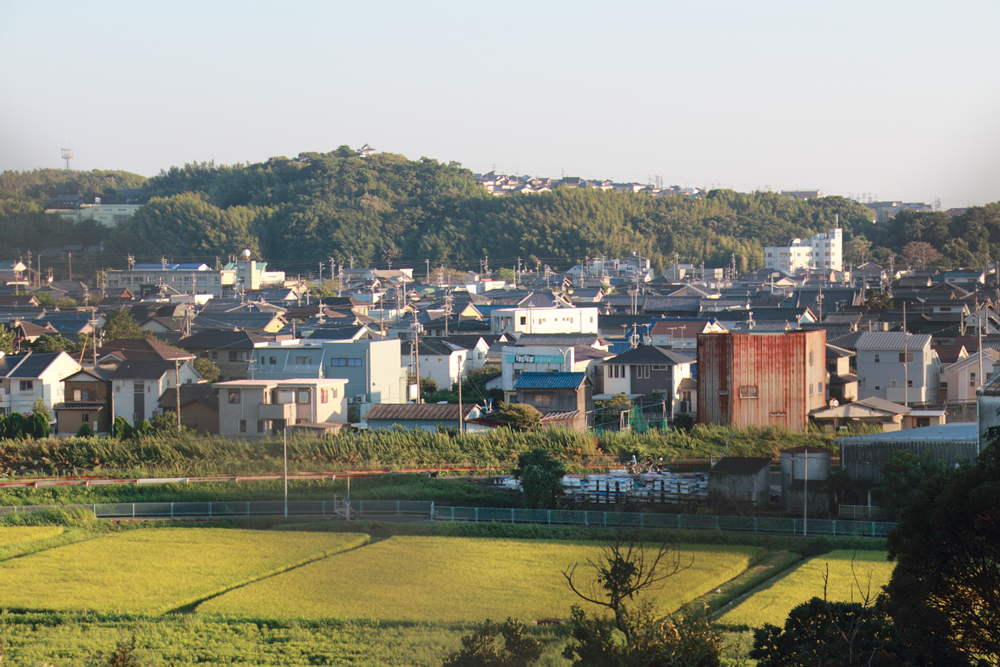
(960, 380)
(440, 360)
(137, 384)
(24, 378)
(897, 366)
(543, 320)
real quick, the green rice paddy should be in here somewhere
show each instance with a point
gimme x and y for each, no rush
(852, 575)
(447, 580)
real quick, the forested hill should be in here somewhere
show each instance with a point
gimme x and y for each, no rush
(299, 211)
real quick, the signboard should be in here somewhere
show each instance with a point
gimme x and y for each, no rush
(534, 359)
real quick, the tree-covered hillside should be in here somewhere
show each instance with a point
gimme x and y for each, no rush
(299, 211)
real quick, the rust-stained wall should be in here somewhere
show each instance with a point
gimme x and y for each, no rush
(788, 386)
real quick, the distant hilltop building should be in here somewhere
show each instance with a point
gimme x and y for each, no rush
(504, 184)
(802, 194)
(886, 210)
(75, 209)
(822, 251)
(365, 151)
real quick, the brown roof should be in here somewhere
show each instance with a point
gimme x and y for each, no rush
(412, 411)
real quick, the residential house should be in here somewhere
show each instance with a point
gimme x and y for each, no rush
(761, 379)
(137, 385)
(140, 348)
(842, 380)
(564, 399)
(88, 400)
(890, 416)
(230, 351)
(371, 367)
(25, 378)
(897, 366)
(681, 336)
(425, 417)
(543, 320)
(653, 373)
(252, 409)
(961, 379)
(199, 406)
(438, 360)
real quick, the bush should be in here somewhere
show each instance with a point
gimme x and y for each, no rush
(85, 431)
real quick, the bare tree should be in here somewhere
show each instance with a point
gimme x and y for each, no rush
(626, 568)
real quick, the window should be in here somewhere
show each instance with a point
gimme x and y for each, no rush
(877, 388)
(27, 385)
(748, 391)
(234, 396)
(302, 396)
(905, 356)
(892, 383)
(524, 320)
(274, 361)
(260, 425)
(909, 383)
(877, 359)
(972, 379)
(237, 355)
(243, 426)
(215, 355)
(303, 361)
(810, 358)
(324, 396)
(85, 418)
(810, 388)
(138, 387)
(346, 362)
(542, 400)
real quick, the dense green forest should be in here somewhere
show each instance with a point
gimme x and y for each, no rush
(296, 212)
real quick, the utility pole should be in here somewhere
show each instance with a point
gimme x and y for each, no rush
(177, 387)
(320, 273)
(428, 262)
(460, 420)
(31, 283)
(69, 255)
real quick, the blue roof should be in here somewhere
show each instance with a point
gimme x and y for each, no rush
(550, 380)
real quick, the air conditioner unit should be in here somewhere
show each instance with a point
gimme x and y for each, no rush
(360, 398)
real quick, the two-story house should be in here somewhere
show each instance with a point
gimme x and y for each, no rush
(565, 399)
(231, 351)
(261, 408)
(897, 366)
(371, 367)
(137, 385)
(960, 380)
(653, 373)
(88, 401)
(439, 360)
(25, 378)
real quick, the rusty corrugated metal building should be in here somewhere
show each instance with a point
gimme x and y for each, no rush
(761, 379)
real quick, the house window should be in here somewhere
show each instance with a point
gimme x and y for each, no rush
(810, 388)
(303, 397)
(85, 418)
(972, 379)
(819, 386)
(274, 361)
(303, 361)
(892, 383)
(905, 356)
(877, 358)
(260, 425)
(877, 388)
(324, 396)
(909, 383)
(542, 400)
(748, 391)
(215, 355)
(138, 387)
(243, 426)
(346, 362)
(27, 385)
(524, 320)
(237, 355)
(234, 396)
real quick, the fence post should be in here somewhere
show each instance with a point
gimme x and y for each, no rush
(248, 508)
(512, 515)
(550, 517)
(755, 524)
(432, 509)
(209, 508)
(585, 521)
(133, 510)
(397, 507)
(716, 521)
(452, 512)
(95, 509)
(834, 527)
(477, 515)
(642, 520)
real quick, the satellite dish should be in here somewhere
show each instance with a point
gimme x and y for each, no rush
(246, 253)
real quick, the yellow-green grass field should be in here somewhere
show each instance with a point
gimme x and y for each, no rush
(155, 571)
(447, 579)
(772, 604)
(23, 534)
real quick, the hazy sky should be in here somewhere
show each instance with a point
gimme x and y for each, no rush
(896, 100)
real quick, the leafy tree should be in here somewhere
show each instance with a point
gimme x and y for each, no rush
(945, 588)
(878, 299)
(166, 423)
(38, 426)
(506, 275)
(834, 634)
(902, 475)
(520, 416)
(206, 369)
(6, 340)
(497, 645)
(85, 431)
(120, 324)
(857, 249)
(57, 343)
(610, 411)
(40, 407)
(541, 479)
(428, 385)
(683, 422)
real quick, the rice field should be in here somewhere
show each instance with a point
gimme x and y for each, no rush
(24, 534)
(452, 580)
(155, 571)
(773, 604)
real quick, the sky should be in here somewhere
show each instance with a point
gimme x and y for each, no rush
(870, 100)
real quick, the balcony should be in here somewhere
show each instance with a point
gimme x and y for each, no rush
(276, 411)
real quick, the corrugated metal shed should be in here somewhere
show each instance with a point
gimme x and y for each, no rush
(415, 412)
(864, 455)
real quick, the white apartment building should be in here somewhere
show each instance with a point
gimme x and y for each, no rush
(822, 251)
(106, 215)
(552, 320)
(197, 278)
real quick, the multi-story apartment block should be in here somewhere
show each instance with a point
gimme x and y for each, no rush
(822, 251)
(196, 278)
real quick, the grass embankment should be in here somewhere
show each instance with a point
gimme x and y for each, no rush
(453, 580)
(155, 571)
(190, 455)
(851, 576)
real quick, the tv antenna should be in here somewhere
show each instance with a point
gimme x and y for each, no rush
(67, 154)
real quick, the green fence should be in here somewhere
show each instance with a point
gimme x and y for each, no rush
(743, 524)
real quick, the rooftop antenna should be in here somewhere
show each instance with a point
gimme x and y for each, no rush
(67, 154)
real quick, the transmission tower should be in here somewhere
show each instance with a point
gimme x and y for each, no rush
(67, 154)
